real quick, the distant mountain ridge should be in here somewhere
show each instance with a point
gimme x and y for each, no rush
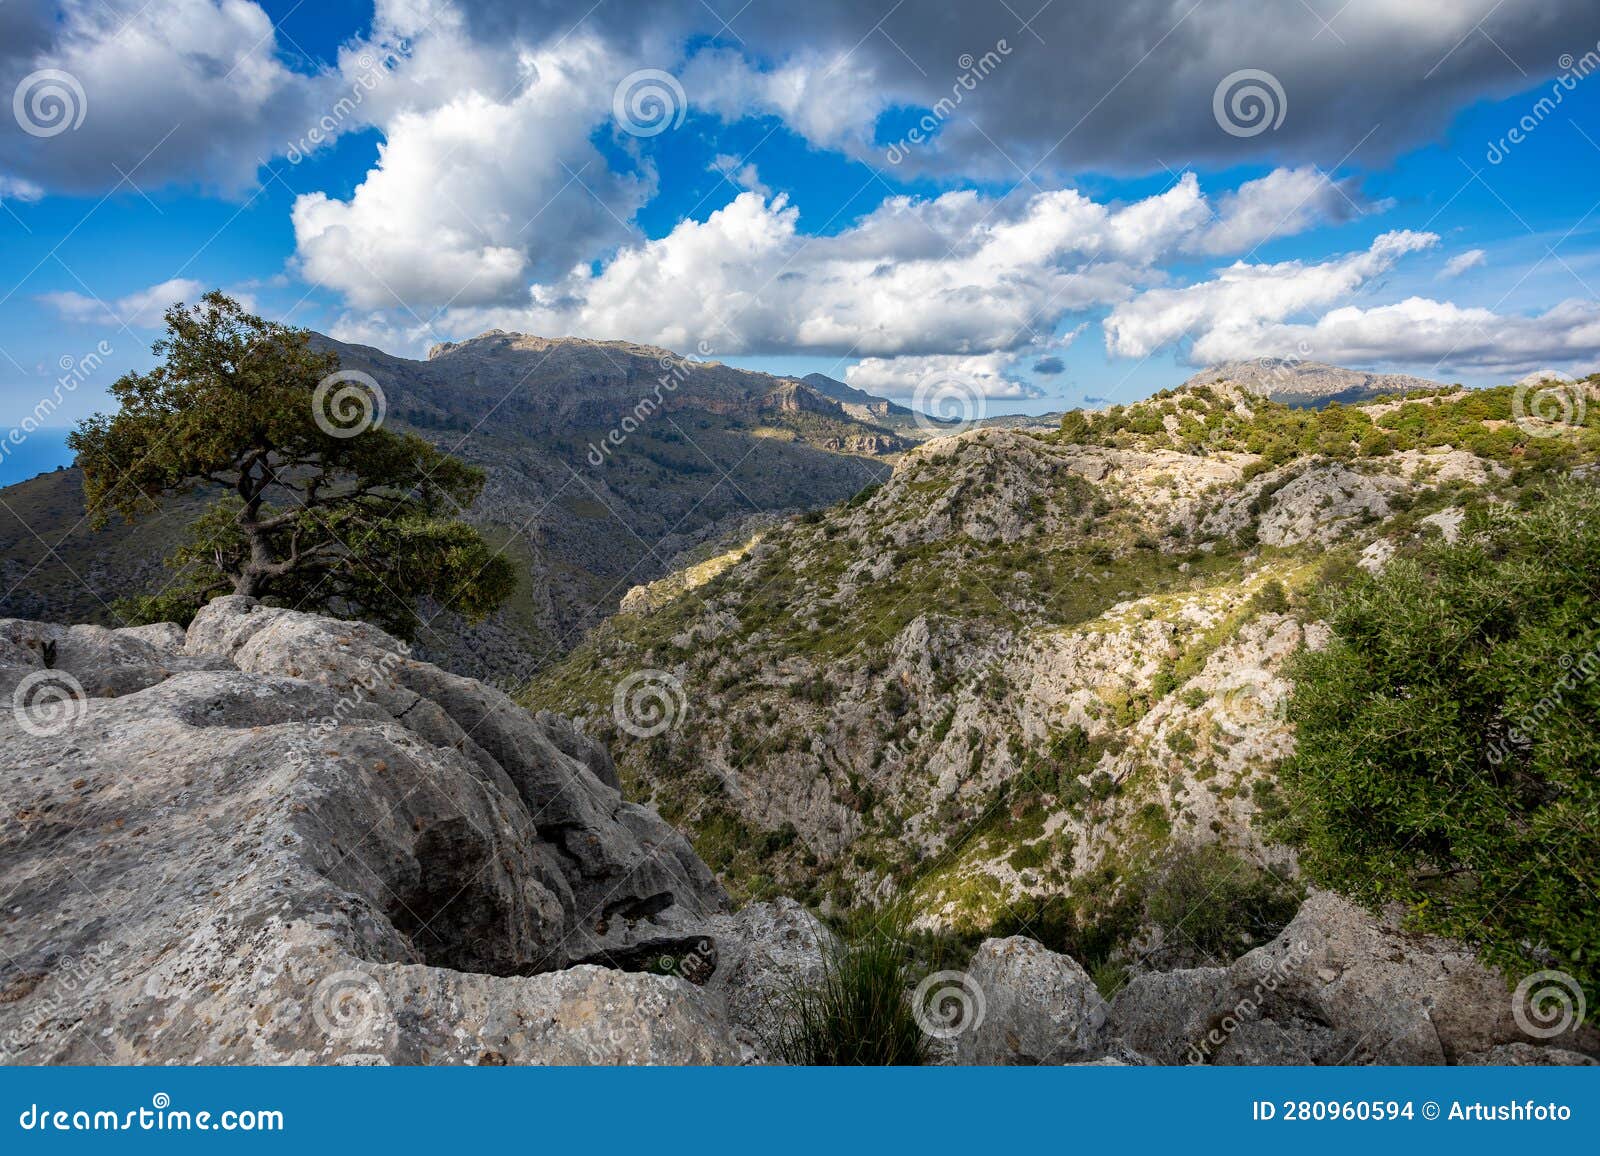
(1309, 383)
(864, 406)
(606, 461)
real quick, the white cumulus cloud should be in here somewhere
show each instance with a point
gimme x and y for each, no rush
(472, 199)
(1461, 262)
(1225, 314)
(1424, 332)
(141, 309)
(1280, 204)
(984, 374)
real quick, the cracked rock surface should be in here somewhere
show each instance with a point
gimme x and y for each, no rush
(276, 838)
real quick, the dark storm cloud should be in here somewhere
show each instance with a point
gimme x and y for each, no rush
(1116, 88)
(1129, 86)
(176, 91)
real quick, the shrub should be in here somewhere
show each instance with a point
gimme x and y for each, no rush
(1449, 735)
(1216, 903)
(1272, 598)
(1030, 856)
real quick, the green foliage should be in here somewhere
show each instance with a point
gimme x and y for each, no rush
(859, 1012)
(1450, 732)
(1030, 856)
(1482, 421)
(1209, 905)
(1218, 905)
(1272, 598)
(1109, 977)
(308, 517)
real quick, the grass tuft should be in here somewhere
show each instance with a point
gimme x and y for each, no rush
(859, 1012)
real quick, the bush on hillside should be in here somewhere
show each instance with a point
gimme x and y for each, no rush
(1449, 736)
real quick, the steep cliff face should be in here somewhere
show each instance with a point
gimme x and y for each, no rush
(1030, 666)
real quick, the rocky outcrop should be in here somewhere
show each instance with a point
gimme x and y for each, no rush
(1037, 1007)
(770, 950)
(1337, 986)
(1309, 383)
(277, 838)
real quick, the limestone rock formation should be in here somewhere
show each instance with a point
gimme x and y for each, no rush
(1038, 1007)
(1337, 986)
(276, 838)
(766, 951)
(1309, 383)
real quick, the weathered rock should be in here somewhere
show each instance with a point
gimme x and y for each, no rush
(1037, 1007)
(1520, 1055)
(628, 862)
(1337, 986)
(766, 951)
(582, 1015)
(199, 852)
(1165, 1016)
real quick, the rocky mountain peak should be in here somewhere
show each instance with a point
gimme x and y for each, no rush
(1309, 383)
(494, 342)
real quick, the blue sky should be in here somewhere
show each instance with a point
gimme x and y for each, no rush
(1091, 220)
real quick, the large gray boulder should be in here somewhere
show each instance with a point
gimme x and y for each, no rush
(1032, 1006)
(1337, 986)
(765, 953)
(1166, 1015)
(209, 836)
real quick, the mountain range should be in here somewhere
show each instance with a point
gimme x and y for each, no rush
(607, 463)
(610, 465)
(1033, 662)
